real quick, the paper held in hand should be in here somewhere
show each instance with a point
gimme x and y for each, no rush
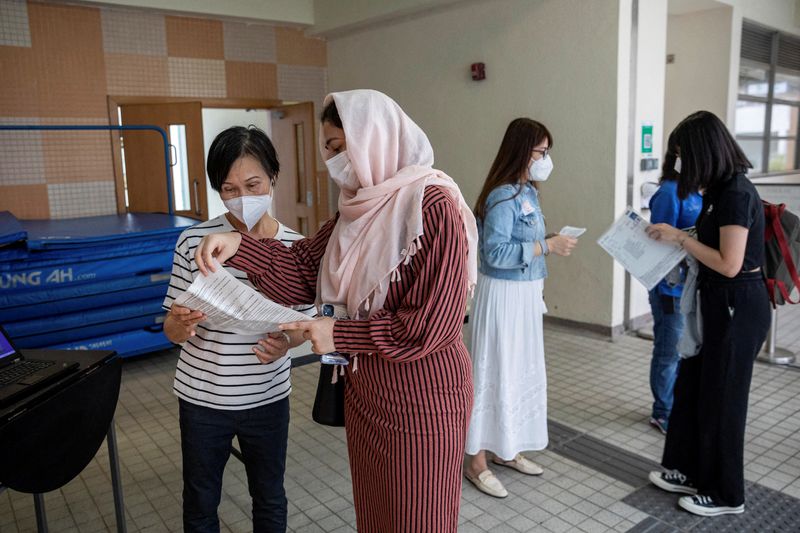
(572, 231)
(646, 259)
(233, 306)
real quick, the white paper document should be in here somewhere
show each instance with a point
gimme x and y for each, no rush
(646, 259)
(233, 306)
(571, 231)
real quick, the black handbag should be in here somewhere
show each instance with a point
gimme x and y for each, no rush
(329, 403)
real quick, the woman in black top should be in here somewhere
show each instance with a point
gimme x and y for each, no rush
(704, 449)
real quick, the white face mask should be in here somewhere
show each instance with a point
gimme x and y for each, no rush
(341, 172)
(249, 209)
(540, 169)
(677, 165)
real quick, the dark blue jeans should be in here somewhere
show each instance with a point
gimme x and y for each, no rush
(206, 436)
(667, 329)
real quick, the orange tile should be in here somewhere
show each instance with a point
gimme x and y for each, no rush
(25, 201)
(137, 75)
(294, 48)
(18, 95)
(67, 42)
(74, 157)
(251, 80)
(197, 38)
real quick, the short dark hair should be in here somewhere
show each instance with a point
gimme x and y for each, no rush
(709, 153)
(331, 114)
(235, 143)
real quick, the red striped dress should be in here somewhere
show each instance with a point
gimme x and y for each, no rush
(407, 405)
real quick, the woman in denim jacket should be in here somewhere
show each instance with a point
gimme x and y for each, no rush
(510, 410)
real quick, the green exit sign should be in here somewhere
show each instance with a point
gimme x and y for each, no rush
(647, 139)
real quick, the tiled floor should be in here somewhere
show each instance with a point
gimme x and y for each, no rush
(596, 387)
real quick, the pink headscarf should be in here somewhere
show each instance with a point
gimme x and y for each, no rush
(380, 218)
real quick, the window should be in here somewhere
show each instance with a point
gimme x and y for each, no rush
(768, 107)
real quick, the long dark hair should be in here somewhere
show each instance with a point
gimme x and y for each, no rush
(709, 153)
(668, 168)
(513, 158)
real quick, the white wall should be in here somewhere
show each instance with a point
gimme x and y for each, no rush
(699, 78)
(650, 75)
(284, 11)
(217, 120)
(552, 60)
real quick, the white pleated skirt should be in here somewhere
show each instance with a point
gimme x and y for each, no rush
(507, 347)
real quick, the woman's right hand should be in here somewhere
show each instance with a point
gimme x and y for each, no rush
(561, 244)
(180, 323)
(219, 246)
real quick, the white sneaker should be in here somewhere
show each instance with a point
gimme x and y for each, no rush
(488, 484)
(705, 506)
(672, 481)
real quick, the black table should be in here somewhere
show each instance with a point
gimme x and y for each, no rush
(50, 436)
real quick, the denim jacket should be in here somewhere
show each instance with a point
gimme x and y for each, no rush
(509, 233)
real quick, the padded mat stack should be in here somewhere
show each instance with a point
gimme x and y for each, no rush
(87, 283)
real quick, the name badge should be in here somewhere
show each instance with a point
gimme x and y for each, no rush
(527, 208)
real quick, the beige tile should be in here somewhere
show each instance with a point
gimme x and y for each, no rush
(294, 48)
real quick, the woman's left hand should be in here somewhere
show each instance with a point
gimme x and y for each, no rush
(272, 348)
(319, 331)
(665, 233)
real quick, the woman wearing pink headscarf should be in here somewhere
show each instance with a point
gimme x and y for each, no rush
(400, 256)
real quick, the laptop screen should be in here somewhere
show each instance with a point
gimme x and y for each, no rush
(6, 350)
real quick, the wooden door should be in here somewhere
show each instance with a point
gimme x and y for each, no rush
(144, 158)
(301, 199)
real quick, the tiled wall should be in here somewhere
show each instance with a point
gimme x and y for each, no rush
(59, 63)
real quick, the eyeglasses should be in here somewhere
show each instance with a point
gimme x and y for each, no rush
(543, 151)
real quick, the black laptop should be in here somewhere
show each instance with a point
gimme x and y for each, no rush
(20, 376)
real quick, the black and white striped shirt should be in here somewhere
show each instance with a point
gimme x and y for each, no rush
(217, 368)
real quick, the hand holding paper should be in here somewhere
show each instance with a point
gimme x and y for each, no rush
(232, 306)
(646, 259)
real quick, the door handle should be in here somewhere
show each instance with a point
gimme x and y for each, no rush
(173, 155)
(197, 209)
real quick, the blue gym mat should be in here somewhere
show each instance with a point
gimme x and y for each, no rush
(36, 333)
(24, 305)
(78, 232)
(10, 229)
(126, 344)
(25, 276)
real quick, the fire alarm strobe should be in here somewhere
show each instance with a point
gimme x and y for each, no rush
(478, 71)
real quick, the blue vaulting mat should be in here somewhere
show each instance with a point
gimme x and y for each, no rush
(10, 229)
(37, 333)
(25, 277)
(126, 344)
(53, 234)
(23, 305)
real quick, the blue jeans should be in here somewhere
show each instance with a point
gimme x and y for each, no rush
(667, 328)
(206, 436)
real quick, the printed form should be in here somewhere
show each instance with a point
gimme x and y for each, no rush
(233, 306)
(646, 259)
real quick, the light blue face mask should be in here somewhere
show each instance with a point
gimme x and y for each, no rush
(540, 169)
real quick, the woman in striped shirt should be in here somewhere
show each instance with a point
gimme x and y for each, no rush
(229, 384)
(399, 255)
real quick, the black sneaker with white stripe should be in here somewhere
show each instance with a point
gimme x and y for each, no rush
(706, 506)
(672, 481)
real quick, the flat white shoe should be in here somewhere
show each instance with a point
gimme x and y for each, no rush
(520, 463)
(487, 483)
